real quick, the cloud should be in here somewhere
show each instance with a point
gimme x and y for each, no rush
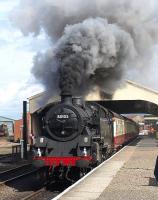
(16, 57)
(7, 5)
(12, 96)
(16, 80)
(3, 42)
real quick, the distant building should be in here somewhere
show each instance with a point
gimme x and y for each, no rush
(18, 128)
(152, 123)
(7, 127)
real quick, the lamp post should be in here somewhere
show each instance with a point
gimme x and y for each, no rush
(25, 129)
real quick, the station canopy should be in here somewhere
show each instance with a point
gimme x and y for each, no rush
(132, 98)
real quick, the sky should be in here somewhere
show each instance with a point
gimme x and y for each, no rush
(16, 60)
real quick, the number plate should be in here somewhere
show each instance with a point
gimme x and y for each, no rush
(63, 116)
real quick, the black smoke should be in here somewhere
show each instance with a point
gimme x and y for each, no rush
(92, 43)
(92, 53)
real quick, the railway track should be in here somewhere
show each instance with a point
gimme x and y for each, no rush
(20, 186)
(41, 194)
(20, 183)
(3, 157)
(10, 158)
(48, 192)
(11, 179)
(27, 187)
(14, 172)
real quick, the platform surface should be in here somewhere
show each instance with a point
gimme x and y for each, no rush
(128, 175)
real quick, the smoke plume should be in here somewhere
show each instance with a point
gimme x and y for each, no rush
(93, 43)
(92, 53)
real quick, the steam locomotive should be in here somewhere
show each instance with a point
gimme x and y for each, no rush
(73, 136)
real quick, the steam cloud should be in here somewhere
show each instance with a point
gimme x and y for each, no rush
(92, 43)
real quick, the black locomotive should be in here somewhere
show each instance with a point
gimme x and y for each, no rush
(72, 136)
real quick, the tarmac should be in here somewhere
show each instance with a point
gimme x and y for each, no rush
(129, 175)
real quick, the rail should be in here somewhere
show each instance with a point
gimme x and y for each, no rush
(3, 183)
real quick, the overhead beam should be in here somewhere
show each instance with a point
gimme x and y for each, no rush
(130, 106)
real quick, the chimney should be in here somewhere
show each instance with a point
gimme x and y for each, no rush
(66, 98)
(78, 101)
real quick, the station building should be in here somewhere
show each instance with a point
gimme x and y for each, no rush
(18, 128)
(152, 123)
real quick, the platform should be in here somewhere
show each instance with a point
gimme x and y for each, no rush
(127, 175)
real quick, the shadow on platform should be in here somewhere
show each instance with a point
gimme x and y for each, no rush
(135, 142)
(152, 182)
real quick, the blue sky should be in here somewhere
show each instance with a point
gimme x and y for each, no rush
(16, 60)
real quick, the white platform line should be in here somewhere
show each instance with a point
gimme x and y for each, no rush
(80, 180)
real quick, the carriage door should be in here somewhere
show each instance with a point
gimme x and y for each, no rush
(105, 128)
